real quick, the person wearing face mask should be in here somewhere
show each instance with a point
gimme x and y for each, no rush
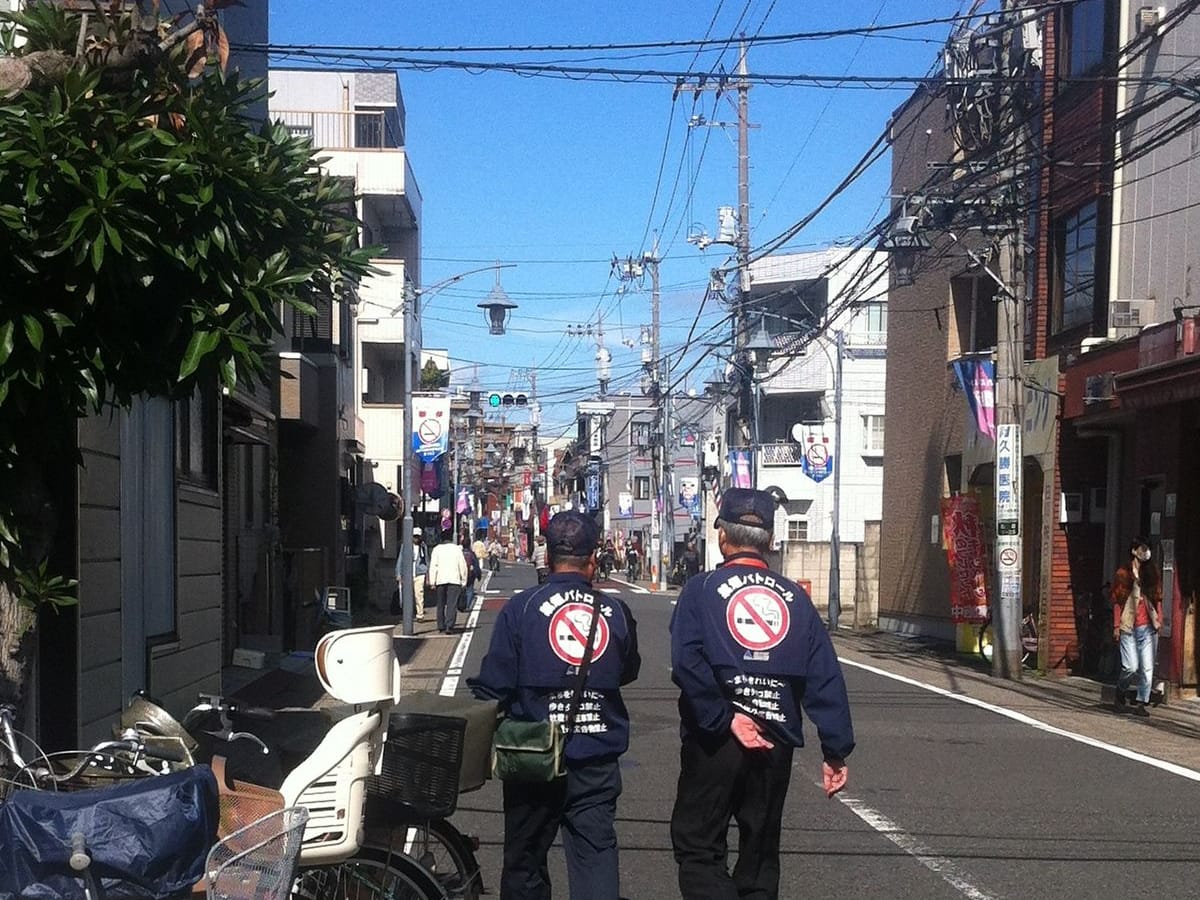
(1137, 614)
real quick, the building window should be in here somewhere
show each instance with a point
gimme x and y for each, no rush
(639, 435)
(382, 374)
(974, 315)
(641, 487)
(196, 437)
(876, 322)
(1083, 27)
(1074, 285)
(873, 433)
(797, 530)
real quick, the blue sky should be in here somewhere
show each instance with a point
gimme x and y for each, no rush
(558, 175)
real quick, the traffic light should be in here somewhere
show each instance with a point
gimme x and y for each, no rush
(496, 400)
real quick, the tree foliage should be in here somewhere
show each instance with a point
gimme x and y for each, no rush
(151, 232)
(433, 378)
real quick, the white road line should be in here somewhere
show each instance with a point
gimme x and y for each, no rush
(632, 587)
(454, 670)
(1173, 768)
(939, 865)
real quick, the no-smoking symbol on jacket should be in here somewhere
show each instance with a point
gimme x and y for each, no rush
(568, 632)
(758, 618)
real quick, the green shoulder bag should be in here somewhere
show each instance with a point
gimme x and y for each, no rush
(533, 751)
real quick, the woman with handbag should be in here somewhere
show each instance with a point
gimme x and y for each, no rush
(559, 655)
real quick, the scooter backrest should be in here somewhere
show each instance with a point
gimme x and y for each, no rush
(359, 665)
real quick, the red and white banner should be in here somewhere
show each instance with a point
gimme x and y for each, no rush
(966, 551)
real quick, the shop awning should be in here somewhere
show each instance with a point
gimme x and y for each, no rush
(1163, 384)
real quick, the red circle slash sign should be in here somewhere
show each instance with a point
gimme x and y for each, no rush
(758, 618)
(568, 633)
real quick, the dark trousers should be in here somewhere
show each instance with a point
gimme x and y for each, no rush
(719, 781)
(447, 605)
(584, 803)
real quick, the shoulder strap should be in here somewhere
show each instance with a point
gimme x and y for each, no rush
(581, 676)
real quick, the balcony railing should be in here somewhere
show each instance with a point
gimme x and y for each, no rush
(781, 454)
(343, 130)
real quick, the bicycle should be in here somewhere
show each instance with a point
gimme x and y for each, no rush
(328, 780)
(1029, 640)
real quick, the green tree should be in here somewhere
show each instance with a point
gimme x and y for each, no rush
(151, 234)
(433, 378)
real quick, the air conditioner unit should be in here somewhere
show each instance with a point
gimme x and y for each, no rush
(1091, 343)
(1149, 18)
(1127, 317)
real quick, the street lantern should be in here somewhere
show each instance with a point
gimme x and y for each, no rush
(497, 308)
(903, 242)
(760, 347)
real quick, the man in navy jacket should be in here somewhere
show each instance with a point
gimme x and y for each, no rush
(531, 668)
(749, 653)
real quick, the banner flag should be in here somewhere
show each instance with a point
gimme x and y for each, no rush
(966, 552)
(977, 378)
(431, 426)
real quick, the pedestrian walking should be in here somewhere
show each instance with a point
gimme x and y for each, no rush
(420, 566)
(749, 653)
(474, 573)
(1137, 616)
(448, 578)
(480, 549)
(540, 564)
(531, 667)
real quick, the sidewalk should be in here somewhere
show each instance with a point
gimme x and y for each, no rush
(1180, 714)
(288, 680)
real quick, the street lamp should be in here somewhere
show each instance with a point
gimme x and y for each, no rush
(903, 242)
(760, 347)
(497, 307)
(409, 309)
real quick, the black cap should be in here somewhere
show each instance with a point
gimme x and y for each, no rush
(743, 506)
(572, 534)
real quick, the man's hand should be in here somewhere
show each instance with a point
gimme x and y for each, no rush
(749, 733)
(834, 774)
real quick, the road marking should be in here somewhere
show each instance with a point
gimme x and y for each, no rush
(632, 587)
(454, 670)
(939, 865)
(1173, 768)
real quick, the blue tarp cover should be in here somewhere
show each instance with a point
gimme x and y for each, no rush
(147, 838)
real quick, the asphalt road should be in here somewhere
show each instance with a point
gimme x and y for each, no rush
(959, 787)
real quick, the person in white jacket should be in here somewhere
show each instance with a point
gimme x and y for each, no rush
(447, 577)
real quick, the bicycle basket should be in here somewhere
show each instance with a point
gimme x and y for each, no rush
(421, 761)
(257, 862)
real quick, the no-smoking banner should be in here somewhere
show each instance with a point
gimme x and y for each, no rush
(758, 618)
(568, 632)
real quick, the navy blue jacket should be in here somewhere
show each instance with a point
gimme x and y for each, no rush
(532, 662)
(745, 638)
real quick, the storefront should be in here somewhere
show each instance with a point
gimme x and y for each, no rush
(1131, 428)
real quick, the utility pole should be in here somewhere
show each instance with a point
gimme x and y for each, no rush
(835, 539)
(406, 468)
(1010, 391)
(742, 241)
(630, 269)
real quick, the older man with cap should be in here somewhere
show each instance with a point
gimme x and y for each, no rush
(749, 653)
(531, 667)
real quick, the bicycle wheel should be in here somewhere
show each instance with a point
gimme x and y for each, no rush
(372, 873)
(442, 850)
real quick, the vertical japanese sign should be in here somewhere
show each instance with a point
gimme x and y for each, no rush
(625, 504)
(1008, 513)
(592, 486)
(966, 552)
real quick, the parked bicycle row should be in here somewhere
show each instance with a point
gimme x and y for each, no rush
(248, 802)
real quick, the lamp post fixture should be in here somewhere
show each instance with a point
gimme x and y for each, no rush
(409, 310)
(759, 347)
(903, 242)
(497, 307)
